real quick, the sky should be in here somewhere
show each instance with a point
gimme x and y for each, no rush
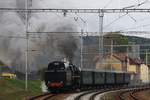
(111, 22)
(124, 22)
(12, 23)
(90, 3)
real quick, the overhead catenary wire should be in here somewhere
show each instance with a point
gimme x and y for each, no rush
(132, 18)
(82, 20)
(54, 10)
(145, 25)
(115, 20)
(136, 5)
(107, 3)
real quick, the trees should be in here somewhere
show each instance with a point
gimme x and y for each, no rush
(115, 40)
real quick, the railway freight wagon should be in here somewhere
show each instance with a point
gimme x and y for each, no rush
(94, 78)
(99, 78)
(60, 76)
(86, 78)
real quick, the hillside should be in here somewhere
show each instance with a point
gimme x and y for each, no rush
(90, 40)
(90, 44)
(143, 42)
(12, 89)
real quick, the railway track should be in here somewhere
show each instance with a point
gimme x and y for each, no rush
(79, 97)
(131, 93)
(45, 96)
(90, 95)
(96, 94)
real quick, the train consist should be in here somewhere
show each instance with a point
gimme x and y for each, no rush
(60, 76)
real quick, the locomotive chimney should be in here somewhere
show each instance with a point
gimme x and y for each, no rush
(66, 62)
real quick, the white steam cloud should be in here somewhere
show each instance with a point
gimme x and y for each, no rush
(49, 47)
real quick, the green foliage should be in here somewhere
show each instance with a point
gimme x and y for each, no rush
(12, 89)
(116, 39)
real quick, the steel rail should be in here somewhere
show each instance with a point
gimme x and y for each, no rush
(132, 94)
(94, 95)
(45, 96)
(133, 91)
(83, 94)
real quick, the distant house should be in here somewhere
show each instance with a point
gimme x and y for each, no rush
(113, 62)
(6, 71)
(134, 66)
(144, 73)
(8, 75)
(121, 62)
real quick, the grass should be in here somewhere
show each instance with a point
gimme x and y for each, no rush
(13, 89)
(109, 96)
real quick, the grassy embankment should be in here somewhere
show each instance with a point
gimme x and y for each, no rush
(12, 89)
(110, 96)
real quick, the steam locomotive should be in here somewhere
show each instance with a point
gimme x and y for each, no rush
(60, 76)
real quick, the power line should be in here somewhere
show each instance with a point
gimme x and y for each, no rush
(108, 3)
(115, 20)
(75, 10)
(136, 27)
(132, 18)
(137, 5)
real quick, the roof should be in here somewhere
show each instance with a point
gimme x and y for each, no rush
(135, 61)
(122, 57)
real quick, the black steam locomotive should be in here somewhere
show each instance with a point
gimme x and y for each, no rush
(62, 77)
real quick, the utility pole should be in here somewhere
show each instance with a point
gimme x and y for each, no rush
(127, 51)
(112, 48)
(146, 58)
(101, 15)
(81, 43)
(27, 43)
(111, 52)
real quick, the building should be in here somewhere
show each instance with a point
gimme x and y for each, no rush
(120, 62)
(8, 75)
(144, 73)
(113, 62)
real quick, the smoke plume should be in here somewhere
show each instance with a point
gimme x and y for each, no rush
(43, 48)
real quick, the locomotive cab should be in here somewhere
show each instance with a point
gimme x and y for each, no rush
(55, 76)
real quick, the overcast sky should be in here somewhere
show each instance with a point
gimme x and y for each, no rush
(90, 3)
(129, 22)
(12, 23)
